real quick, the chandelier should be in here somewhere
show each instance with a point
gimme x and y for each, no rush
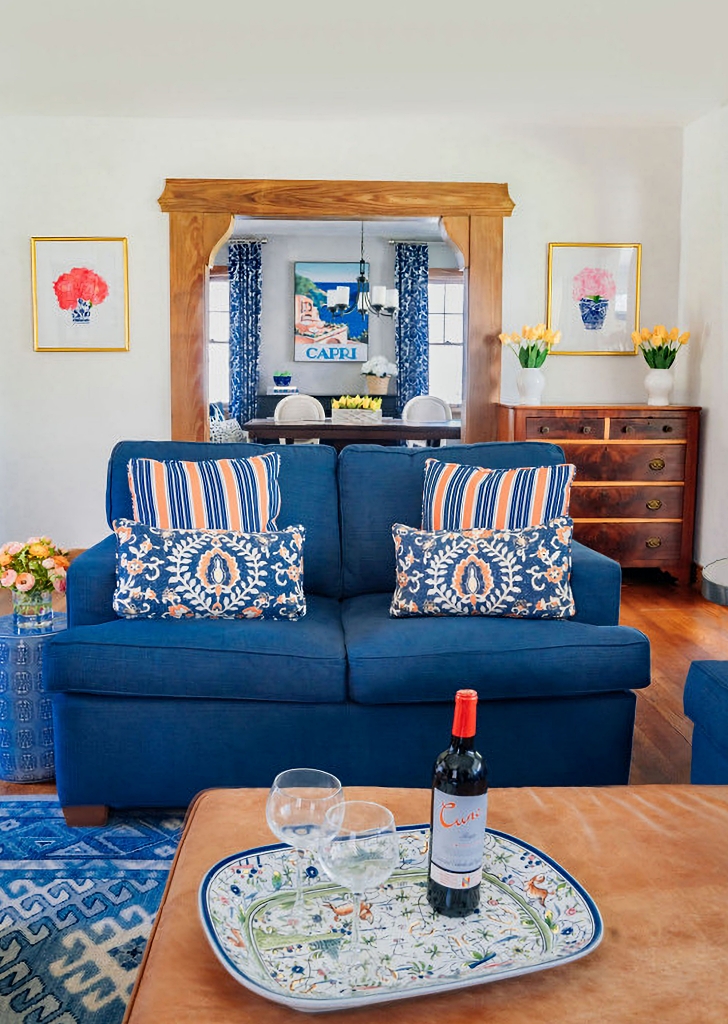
(379, 300)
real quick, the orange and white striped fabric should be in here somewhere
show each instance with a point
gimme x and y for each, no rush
(459, 497)
(225, 494)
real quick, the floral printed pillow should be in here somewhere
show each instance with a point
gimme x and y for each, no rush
(182, 574)
(519, 573)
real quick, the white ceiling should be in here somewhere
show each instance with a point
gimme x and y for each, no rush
(566, 61)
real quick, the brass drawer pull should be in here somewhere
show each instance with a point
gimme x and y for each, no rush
(667, 429)
(653, 542)
(657, 464)
(628, 429)
(544, 430)
(586, 430)
(654, 504)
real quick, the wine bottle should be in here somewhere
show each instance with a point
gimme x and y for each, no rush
(459, 810)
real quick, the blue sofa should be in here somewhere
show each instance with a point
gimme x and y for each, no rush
(147, 713)
(706, 705)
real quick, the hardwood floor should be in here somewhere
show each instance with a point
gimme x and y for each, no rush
(682, 627)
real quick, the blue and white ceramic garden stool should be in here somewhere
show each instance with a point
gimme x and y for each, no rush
(26, 722)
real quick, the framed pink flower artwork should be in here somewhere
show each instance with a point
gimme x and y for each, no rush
(80, 294)
(594, 297)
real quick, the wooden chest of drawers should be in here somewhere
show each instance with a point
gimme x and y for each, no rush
(634, 491)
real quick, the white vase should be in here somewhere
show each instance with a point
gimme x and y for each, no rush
(530, 383)
(659, 385)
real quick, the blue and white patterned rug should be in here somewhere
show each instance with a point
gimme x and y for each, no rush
(76, 908)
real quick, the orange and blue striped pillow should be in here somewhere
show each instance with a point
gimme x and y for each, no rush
(225, 494)
(459, 497)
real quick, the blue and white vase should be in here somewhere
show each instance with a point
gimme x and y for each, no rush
(593, 312)
(81, 314)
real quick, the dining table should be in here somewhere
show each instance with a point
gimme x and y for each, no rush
(388, 430)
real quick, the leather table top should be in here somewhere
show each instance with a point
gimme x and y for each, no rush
(654, 858)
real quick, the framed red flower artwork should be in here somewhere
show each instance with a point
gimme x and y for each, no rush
(80, 294)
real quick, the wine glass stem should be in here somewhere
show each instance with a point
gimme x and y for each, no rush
(356, 900)
(299, 902)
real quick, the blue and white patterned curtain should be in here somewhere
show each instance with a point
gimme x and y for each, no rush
(244, 268)
(411, 264)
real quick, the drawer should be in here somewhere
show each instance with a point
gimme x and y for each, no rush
(549, 428)
(627, 461)
(633, 543)
(626, 502)
(649, 428)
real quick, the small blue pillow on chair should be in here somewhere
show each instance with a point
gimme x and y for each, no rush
(182, 574)
(518, 573)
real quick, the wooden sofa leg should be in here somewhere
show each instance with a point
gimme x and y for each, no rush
(86, 815)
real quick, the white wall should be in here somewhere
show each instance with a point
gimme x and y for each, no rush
(703, 298)
(61, 413)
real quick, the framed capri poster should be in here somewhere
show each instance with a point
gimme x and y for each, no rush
(594, 297)
(80, 294)
(318, 335)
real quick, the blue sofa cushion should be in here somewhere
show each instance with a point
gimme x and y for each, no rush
(395, 661)
(380, 486)
(522, 573)
(309, 494)
(234, 659)
(219, 574)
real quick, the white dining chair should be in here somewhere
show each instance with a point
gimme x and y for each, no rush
(299, 407)
(426, 409)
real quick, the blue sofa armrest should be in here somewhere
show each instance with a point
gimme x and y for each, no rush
(705, 701)
(596, 583)
(90, 585)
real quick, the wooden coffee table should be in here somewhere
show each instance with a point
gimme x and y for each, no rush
(654, 858)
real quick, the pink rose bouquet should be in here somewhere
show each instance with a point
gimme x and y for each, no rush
(80, 283)
(38, 566)
(592, 283)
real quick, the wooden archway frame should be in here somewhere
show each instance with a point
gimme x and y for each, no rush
(201, 216)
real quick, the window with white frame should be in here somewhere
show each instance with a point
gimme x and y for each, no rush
(445, 296)
(218, 361)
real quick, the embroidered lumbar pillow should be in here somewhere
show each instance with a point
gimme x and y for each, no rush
(177, 574)
(456, 497)
(516, 573)
(222, 494)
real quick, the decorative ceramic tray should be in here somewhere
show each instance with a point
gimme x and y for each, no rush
(532, 915)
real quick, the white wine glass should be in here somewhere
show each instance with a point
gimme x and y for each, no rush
(359, 849)
(296, 809)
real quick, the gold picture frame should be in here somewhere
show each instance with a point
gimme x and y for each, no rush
(80, 294)
(594, 297)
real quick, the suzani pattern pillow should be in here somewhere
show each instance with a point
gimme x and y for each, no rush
(212, 494)
(456, 497)
(516, 573)
(182, 574)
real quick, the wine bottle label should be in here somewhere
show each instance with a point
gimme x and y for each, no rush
(458, 837)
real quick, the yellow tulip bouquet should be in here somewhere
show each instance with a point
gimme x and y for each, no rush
(532, 345)
(659, 346)
(356, 402)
